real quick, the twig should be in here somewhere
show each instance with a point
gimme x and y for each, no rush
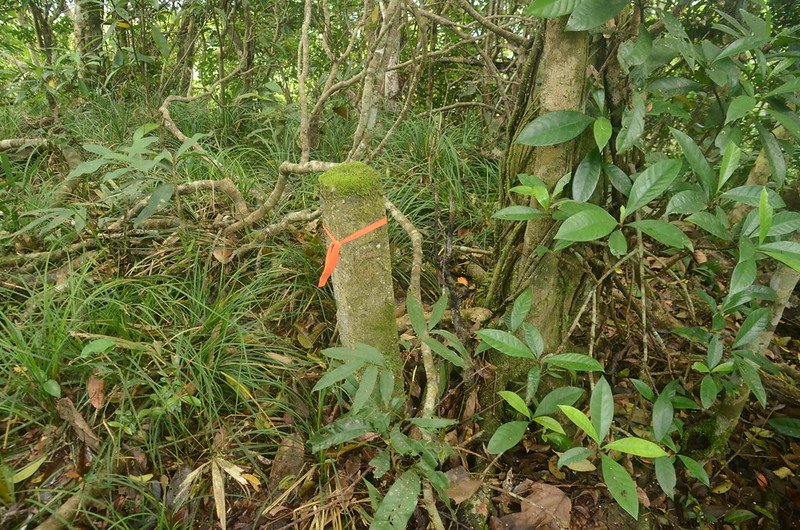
(260, 236)
(66, 513)
(17, 143)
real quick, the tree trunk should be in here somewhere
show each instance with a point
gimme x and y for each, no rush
(555, 280)
(88, 24)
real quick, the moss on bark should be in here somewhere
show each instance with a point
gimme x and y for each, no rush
(362, 281)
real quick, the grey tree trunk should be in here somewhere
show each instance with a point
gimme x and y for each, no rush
(88, 26)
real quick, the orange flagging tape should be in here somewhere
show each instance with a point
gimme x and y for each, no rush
(335, 246)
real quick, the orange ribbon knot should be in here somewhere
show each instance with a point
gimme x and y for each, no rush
(335, 246)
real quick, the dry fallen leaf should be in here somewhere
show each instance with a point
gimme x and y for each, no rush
(223, 255)
(218, 487)
(289, 460)
(462, 485)
(68, 412)
(95, 388)
(545, 508)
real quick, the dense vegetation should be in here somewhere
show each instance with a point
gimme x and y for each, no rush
(593, 212)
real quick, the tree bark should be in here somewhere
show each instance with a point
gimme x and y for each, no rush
(88, 25)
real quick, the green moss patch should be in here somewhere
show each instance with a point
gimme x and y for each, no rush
(352, 178)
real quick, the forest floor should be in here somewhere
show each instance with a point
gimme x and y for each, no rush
(172, 381)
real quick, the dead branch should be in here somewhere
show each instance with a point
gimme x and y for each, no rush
(19, 143)
(66, 513)
(414, 288)
(258, 237)
(491, 26)
(23, 259)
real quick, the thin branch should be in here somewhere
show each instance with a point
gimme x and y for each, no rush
(491, 26)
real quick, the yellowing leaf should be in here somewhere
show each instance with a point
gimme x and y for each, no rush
(29, 470)
(122, 24)
(723, 487)
(252, 479)
(218, 487)
(141, 478)
(783, 472)
(582, 466)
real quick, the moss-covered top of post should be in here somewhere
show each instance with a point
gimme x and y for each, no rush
(351, 178)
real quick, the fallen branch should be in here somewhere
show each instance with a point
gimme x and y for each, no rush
(257, 238)
(24, 259)
(18, 143)
(66, 513)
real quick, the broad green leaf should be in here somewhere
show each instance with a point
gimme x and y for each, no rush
(790, 87)
(772, 149)
(673, 86)
(381, 463)
(601, 406)
(665, 474)
(765, 213)
(744, 274)
(386, 386)
(695, 469)
(417, 317)
(516, 402)
(752, 327)
(665, 233)
(518, 213)
(365, 388)
(587, 225)
(592, 13)
(617, 244)
(564, 395)
(786, 426)
(663, 412)
(651, 183)
(711, 224)
(577, 362)
(581, 420)
(618, 178)
(28, 471)
(736, 517)
(552, 8)
(751, 195)
(730, 161)
(687, 201)
(444, 352)
(635, 51)
(160, 196)
(90, 166)
(602, 132)
(643, 389)
(632, 124)
(399, 503)
(789, 120)
(576, 454)
(337, 374)
(741, 45)
(554, 128)
(549, 423)
(697, 161)
(97, 346)
(621, 485)
(787, 252)
(505, 342)
(506, 436)
(586, 176)
(52, 388)
(714, 351)
(637, 447)
(160, 41)
(437, 311)
(533, 338)
(708, 391)
(784, 223)
(433, 423)
(752, 379)
(520, 309)
(360, 353)
(739, 108)
(532, 383)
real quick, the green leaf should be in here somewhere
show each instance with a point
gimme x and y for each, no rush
(533, 338)
(592, 13)
(765, 212)
(520, 309)
(518, 213)
(360, 353)
(617, 244)
(97, 346)
(589, 224)
(663, 412)
(564, 395)
(552, 8)
(744, 274)
(651, 183)
(687, 201)
(665, 474)
(665, 233)
(505, 342)
(52, 388)
(697, 161)
(90, 166)
(695, 469)
(516, 402)
(711, 224)
(586, 176)
(602, 129)
(635, 51)
(643, 389)
(386, 386)
(790, 87)
(160, 196)
(549, 423)
(365, 388)
(506, 436)
(417, 317)
(160, 41)
(751, 195)
(576, 454)
(636, 446)
(752, 327)
(618, 178)
(708, 391)
(789, 120)
(532, 383)
(740, 45)
(338, 374)
(399, 503)
(621, 485)
(714, 351)
(28, 471)
(632, 124)
(787, 252)
(784, 223)
(444, 352)
(772, 149)
(601, 406)
(433, 423)
(437, 312)
(381, 463)
(577, 362)
(786, 426)
(739, 108)
(737, 517)
(554, 128)
(581, 420)
(752, 379)
(730, 161)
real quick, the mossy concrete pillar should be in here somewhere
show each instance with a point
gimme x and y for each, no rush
(352, 200)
